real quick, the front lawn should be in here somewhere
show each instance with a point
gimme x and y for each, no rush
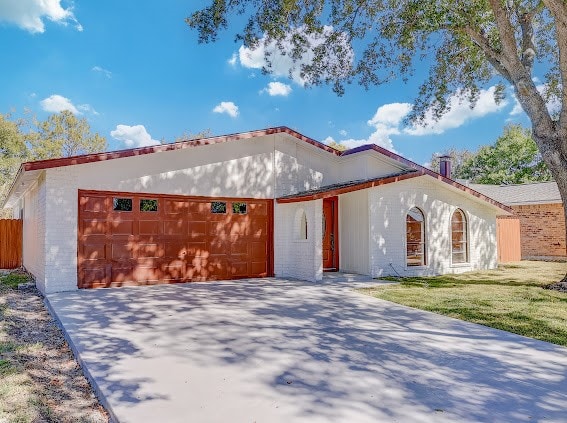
(508, 298)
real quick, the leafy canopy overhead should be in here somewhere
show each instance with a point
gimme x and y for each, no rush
(465, 42)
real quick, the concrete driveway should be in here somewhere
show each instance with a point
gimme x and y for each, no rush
(288, 351)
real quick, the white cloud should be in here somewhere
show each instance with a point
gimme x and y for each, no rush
(460, 112)
(88, 108)
(57, 103)
(386, 122)
(233, 59)
(102, 70)
(133, 136)
(282, 63)
(227, 107)
(343, 133)
(277, 88)
(30, 14)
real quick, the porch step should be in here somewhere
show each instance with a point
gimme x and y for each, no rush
(345, 277)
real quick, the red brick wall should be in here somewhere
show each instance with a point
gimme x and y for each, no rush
(542, 229)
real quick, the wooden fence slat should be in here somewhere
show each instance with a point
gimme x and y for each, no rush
(508, 239)
(10, 243)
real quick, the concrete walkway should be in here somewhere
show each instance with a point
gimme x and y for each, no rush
(288, 351)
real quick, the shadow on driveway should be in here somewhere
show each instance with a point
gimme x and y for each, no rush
(288, 351)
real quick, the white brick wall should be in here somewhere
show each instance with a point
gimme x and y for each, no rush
(247, 170)
(296, 258)
(61, 229)
(388, 207)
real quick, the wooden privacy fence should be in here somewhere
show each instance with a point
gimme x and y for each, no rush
(10, 243)
(508, 239)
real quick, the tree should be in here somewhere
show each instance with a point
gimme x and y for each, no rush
(13, 152)
(63, 135)
(472, 42)
(513, 159)
(458, 158)
(189, 136)
(337, 146)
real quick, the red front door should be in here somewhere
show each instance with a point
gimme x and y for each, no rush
(330, 238)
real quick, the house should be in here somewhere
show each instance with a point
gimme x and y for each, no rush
(540, 211)
(254, 204)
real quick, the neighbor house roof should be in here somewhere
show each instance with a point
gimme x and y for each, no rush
(518, 194)
(91, 158)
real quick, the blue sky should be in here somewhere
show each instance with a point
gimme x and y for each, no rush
(136, 72)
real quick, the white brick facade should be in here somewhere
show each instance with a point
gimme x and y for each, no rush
(371, 221)
(389, 205)
(295, 257)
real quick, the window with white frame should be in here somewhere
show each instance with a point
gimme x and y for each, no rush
(459, 238)
(415, 238)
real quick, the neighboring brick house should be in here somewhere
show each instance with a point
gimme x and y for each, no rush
(542, 218)
(257, 204)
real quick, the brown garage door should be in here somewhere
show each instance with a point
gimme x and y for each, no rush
(140, 239)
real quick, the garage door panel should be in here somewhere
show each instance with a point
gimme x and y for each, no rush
(183, 240)
(175, 227)
(122, 251)
(258, 268)
(149, 227)
(257, 209)
(94, 204)
(239, 269)
(149, 250)
(197, 231)
(122, 227)
(94, 251)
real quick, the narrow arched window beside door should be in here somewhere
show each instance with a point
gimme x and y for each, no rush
(459, 238)
(415, 238)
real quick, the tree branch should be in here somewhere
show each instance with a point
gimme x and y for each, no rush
(494, 57)
(528, 48)
(505, 29)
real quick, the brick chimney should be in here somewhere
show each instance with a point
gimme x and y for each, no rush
(445, 166)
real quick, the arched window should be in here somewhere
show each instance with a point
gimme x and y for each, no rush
(301, 225)
(459, 238)
(415, 238)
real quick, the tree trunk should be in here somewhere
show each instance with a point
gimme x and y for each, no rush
(557, 163)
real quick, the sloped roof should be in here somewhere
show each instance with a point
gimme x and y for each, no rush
(30, 167)
(517, 194)
(350, 186)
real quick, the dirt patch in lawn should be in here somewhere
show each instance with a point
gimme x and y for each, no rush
(40, 381)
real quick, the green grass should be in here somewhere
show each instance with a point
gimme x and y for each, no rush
(510, 298)
(13, 279)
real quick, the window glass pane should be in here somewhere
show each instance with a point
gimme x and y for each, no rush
(147, 205)
(122, 204)
(415, 238)
(239, 208)
(303, 226)
(218, 207)
(459, 244)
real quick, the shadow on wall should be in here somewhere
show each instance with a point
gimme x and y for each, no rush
(388, 233)
(315, 351)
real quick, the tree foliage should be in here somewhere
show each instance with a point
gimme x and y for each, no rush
(63, 135)
(513, 159)
(464, 44)
(25, 139)
(337, 146)
(458, 158)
